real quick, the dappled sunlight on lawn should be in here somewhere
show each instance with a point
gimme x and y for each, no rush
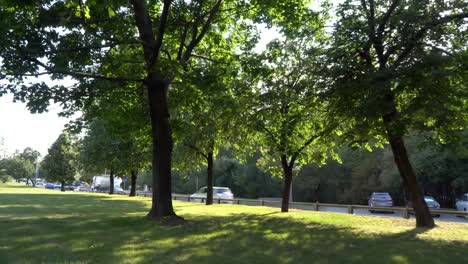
(50, 226)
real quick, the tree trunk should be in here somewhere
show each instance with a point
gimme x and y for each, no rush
(161, 204)
(62, 187)
(111, 181)
(33, 183)
(209, 179)
(395, 137)
(133, 179)
(287, 175)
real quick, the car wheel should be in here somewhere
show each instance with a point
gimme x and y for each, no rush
(371, 211)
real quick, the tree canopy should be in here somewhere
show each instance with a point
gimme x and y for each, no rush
(60, 162)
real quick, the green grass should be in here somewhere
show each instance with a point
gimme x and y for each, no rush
(42, 226)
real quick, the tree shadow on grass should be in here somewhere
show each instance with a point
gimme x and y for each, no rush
(57, 228)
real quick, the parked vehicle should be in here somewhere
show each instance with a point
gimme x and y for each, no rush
(380, 199)
(39, 182)
(102, 183)
(82, 188)
(462, 203)
(50, 185)
(218, 193)
(431, 203)
(118, 190)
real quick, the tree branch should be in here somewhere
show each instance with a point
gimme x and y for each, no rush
(194, 42)
(196, 150)
(415, 39)
(145, 29)
(161, 30)
(50, 70)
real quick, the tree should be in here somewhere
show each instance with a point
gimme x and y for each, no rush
(92, 42)
(18, 167)
(60, 161)
(395, 66)
(284, 109)
(203, 127)
(30, 154)
(99, 149)
(117, 134)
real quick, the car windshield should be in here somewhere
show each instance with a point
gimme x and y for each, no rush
(217, 190)
(429, 199)
(381, 196)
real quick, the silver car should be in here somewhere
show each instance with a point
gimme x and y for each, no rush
(218, 193)
(431, 202)
(380, 199)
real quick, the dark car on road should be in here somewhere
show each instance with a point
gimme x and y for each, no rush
(431, 204)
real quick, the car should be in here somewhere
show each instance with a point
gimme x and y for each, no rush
(82, 188)
(118, 190)
(462, 203)
(380, 199)
(218, 193)
(431, 204)
(69, 187)
(49, 185)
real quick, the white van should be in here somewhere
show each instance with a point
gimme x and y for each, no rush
(462, 203)
(101, 183)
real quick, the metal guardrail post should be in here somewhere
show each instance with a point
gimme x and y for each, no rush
(219, 200)
(350, 209)
(238, 201)
(406, 213)
(202, 200)
(316, 206)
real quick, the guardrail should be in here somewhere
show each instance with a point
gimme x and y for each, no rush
(406, 211)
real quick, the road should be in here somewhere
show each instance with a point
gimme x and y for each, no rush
(444, 218)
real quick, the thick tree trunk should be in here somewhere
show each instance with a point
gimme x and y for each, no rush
(111, 181)
(395, 138)
(133, 179)
(62, 187)
(161, 205)
(209, 179)
(287, 175)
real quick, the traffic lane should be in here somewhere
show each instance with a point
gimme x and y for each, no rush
(443, 218)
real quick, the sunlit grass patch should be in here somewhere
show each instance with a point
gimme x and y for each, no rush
(46, 226)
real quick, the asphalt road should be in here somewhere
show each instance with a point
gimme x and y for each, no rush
(445, 218)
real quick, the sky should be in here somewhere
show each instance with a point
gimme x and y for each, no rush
(20, 129)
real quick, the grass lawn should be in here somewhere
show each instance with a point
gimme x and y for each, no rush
(45, 226)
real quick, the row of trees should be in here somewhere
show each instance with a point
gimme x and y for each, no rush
(385, 68)
(20, 166)
(442, 172)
